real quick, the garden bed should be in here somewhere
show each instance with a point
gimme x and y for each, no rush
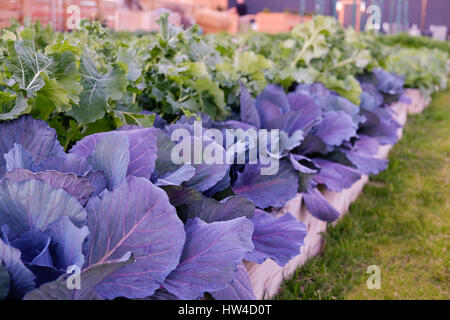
(93, 130)
(266, 278)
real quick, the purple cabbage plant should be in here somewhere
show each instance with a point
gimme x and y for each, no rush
(117, 213)
(389, 85)
(307, 134)
(325, 142)
(120, 214)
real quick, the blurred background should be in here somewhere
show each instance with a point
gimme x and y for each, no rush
(426, 17)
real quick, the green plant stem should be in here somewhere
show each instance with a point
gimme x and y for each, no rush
(72, 134)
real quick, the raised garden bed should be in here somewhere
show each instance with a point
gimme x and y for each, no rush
(266, 278)
(90, 150)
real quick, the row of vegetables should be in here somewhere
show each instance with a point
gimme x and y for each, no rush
(88, 188)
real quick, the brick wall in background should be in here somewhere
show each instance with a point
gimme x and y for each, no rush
(54, 11)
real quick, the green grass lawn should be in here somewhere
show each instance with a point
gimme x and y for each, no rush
(401, 223)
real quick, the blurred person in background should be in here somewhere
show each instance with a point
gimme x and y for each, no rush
(241, 10)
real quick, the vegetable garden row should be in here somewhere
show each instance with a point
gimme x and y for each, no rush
(87, 182)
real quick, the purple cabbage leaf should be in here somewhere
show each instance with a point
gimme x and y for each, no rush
(210, 257)
(239, 289)
(136, 216)
(279, 239)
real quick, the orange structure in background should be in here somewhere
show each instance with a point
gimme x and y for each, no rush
(277, 22)
(107, 11)
(348, 5)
